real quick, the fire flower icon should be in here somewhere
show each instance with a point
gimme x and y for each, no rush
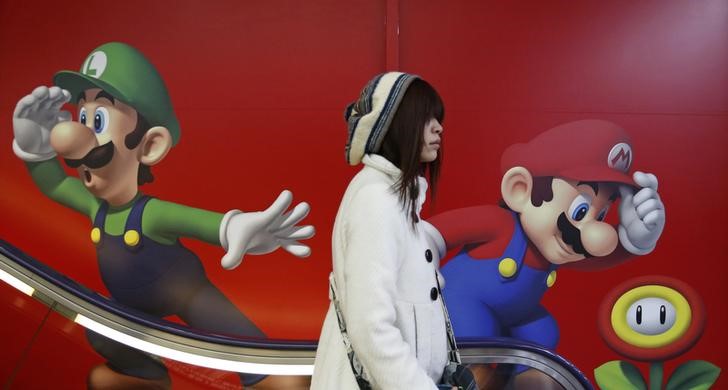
(653, 319)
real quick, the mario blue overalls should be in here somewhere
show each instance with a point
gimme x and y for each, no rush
(160, 280)
(500, 296)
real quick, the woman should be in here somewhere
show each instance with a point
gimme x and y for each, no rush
(385, 278)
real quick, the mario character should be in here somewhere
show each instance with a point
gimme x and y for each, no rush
(126, 124)
(557, 190)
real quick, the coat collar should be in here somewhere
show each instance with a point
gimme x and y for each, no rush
(383, 165)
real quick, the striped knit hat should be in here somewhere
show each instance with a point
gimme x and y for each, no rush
(369, 117)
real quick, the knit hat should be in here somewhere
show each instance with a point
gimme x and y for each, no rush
(126, 74)
(369, 117)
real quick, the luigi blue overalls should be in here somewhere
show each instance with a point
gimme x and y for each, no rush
(500, 296)
(160, 280)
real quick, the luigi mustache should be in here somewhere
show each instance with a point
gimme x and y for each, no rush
(97, 157)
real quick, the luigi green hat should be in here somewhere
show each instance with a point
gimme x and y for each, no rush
(127, 75)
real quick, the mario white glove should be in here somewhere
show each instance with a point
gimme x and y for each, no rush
(33, 118)
(641, 215)
(263, 232)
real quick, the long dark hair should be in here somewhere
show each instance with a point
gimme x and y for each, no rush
(403, 143)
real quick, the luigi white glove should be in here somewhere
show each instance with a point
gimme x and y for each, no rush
(34, 117)
(263, 232)
(641, 215)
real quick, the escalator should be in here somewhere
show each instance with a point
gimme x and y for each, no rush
(245, 355)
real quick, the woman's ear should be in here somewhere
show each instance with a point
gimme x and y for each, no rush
(516, 187)
(154, 146)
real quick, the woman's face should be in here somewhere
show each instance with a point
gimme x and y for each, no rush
(431, 141)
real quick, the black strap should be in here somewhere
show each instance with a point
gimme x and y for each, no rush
(356, 367)
(453, 353)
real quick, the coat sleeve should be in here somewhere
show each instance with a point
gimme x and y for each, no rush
(374, 249)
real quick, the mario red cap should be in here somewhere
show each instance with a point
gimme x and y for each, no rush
(586, 150)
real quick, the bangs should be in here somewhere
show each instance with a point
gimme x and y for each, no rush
(431, 102)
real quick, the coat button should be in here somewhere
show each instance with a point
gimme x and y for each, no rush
(433, 294)
(428, 256)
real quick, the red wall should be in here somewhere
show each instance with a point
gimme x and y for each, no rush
(260, 88)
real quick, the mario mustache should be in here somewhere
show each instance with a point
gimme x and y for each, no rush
(571, 235)
(95, 158)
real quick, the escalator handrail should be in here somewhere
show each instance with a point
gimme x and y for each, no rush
(472, 347)
(472, 350)
(77, 290)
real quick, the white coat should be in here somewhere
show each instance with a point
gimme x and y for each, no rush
(387, 290)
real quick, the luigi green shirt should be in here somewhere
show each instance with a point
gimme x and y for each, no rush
(164, 222)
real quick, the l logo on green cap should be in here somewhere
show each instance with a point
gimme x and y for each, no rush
(95, 64)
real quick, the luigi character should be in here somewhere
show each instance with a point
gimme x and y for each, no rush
(557, 190)
(126, 124)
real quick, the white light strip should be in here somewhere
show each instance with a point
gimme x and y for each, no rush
(15, 282)
(186, 357)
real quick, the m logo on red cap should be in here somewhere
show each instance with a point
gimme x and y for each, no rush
(620, 157)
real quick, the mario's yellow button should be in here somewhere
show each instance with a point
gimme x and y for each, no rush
(131, 238)
(551, 279)
(95, 235)
(507, 267)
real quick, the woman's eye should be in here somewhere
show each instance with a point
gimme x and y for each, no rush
(101, 120)
(579, 207)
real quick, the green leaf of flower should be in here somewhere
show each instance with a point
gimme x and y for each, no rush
(619, 375)
(693, 375)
